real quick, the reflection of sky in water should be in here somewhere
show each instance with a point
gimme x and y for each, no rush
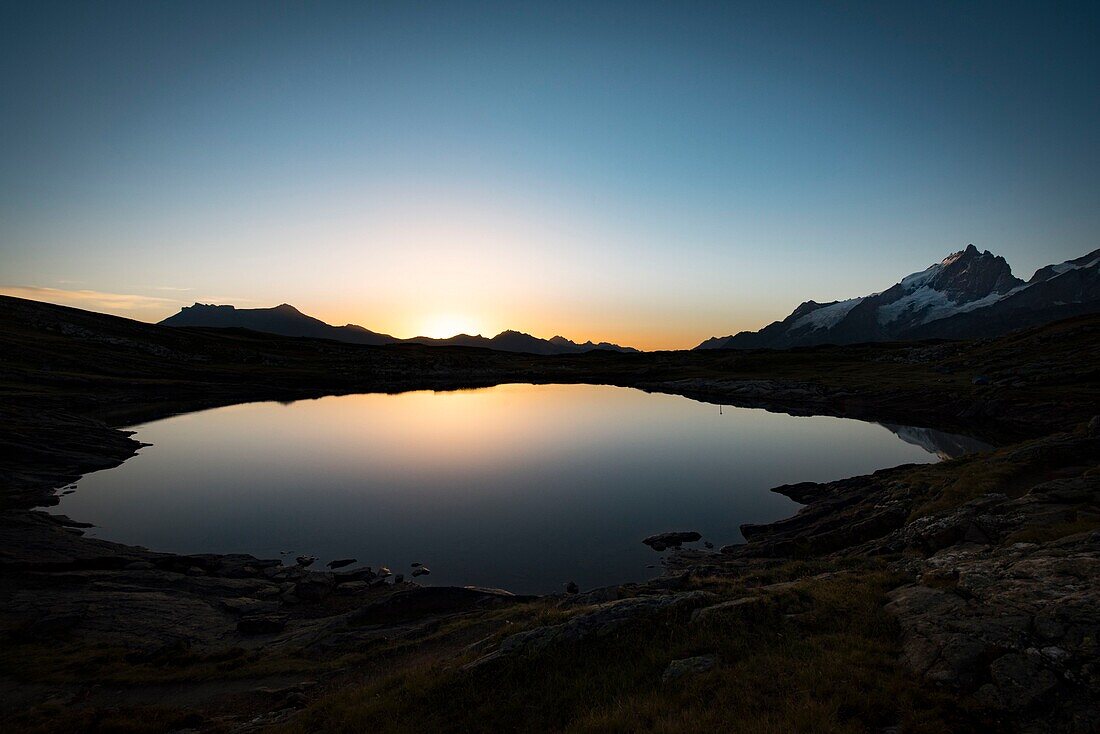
(518, 486)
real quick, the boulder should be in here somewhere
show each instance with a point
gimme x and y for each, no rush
(688, 666)
(315, 587)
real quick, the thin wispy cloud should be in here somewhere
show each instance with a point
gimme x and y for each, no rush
(131, 305)
(122, 304)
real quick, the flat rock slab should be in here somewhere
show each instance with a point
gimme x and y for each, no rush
(715, 611)
(603, 620)
(41, 541)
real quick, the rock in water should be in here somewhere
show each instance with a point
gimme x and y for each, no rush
(341, 562)
(671, 540)
(305, 561)
(421, 571)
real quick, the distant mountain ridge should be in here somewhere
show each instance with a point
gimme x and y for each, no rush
(968, 294)
(286, 320)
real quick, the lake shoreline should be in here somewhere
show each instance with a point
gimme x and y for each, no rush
(290, 627)
(519, 486)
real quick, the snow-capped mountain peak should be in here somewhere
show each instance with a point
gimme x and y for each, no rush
(961, 282)
(968, 293)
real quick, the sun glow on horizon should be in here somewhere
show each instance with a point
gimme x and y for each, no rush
(444, 325)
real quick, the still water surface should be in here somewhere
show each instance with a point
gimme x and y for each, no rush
(517, 486)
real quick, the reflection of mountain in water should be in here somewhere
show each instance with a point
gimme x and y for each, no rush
(945, 445)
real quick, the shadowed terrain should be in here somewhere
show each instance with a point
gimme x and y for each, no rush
(959, 596)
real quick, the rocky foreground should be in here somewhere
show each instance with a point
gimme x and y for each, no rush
(960, 596)
(1000, 557)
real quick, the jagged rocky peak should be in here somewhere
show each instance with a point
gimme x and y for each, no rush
(970, 274)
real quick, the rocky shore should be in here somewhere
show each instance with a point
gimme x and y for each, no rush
(978, 576)
(1000, 554)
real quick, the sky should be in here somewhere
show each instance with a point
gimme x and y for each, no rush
(646, 173)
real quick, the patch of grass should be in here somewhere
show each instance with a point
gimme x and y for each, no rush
(1012, 471)
(970, 479)
(817, 657)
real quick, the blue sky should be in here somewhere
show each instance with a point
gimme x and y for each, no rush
(649, 173)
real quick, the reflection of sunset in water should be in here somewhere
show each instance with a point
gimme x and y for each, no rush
(521, 486)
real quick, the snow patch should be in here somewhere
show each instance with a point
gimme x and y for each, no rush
(1068, 266)
(988, 300)
(916, 280)
(925, 298)
(936, 304)
(826, 317)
